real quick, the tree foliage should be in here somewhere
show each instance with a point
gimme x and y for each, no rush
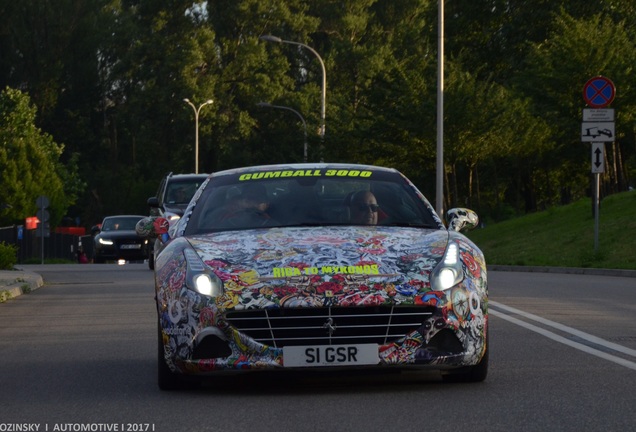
(108, 78)
(30, 164)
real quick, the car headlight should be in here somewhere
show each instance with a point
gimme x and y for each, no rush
(448, 272)
(199, 278)
(105, 241)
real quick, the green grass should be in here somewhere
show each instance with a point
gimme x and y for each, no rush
(564, 236)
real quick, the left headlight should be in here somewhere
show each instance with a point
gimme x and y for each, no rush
(106, 242)
(448, 272)
(199, 278)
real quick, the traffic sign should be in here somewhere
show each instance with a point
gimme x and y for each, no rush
(599, 92)
(597, 131)
(42, 201)
(598, 157)
(43, 215)
(598, 114)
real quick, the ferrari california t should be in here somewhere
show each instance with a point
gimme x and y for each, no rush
(285, 267)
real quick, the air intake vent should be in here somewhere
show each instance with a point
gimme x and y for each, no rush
(328, 326)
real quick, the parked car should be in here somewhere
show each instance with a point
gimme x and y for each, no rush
(288, 267)
(172, 198)
(115, 238)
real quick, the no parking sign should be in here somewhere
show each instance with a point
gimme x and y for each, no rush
(599, 92)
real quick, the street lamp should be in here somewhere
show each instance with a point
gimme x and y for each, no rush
(268, 105)
(196, 130)
(439, 187)
(270, 38)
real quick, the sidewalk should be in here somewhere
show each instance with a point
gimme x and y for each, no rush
(14, 283)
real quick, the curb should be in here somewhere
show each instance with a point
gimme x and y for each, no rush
(14, 283)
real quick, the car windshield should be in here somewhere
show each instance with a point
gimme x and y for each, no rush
(179, 193)
(316, 197)
(120, 224)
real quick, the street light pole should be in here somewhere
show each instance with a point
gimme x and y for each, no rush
(196, 130)
(439, 188)
(268, 105)
(323, 97)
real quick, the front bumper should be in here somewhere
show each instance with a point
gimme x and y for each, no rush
(445, 330)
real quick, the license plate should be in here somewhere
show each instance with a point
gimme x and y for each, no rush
(330, 355)
(131, 246)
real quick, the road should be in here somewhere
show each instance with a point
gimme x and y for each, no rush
(80, 354)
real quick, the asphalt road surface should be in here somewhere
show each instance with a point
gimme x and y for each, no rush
(79, 354)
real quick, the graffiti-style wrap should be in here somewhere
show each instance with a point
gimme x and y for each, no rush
(300, 268)
(272, 267)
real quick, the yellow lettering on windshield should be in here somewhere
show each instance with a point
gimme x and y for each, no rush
(304, 173)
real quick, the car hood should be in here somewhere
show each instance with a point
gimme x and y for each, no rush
(177, 209)
(322, 265)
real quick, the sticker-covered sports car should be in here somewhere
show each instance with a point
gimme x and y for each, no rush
(318, 266)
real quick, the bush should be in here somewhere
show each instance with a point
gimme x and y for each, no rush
(8, 256)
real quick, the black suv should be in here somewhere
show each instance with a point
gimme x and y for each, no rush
(173, 196)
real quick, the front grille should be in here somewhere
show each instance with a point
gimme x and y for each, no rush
(328, 325)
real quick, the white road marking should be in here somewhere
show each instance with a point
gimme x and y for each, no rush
(582, 347)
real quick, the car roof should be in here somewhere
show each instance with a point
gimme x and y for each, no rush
(187, 176)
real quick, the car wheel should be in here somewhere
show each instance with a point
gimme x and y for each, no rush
(166, 379)
(151, 261)
(98, 260)
(475, 373)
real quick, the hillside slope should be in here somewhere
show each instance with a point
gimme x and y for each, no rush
(564, 236)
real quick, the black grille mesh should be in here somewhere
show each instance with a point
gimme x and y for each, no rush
(311, 326)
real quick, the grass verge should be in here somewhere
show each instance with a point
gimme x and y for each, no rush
(564, 236)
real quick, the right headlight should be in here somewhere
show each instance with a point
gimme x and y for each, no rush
(448, 272)
(199, 278)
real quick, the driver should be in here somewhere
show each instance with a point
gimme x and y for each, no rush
(364, 208)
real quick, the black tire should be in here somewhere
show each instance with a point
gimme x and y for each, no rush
(151, 261)
(477, 373)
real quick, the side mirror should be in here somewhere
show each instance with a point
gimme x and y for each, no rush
(461, 219)
(153, 227)
(95, 229)
(153, 202)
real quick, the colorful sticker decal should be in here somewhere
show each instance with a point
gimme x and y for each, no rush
(321, 267)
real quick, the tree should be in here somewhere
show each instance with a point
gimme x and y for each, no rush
(30, 164)
(251, 71)
(593, 45)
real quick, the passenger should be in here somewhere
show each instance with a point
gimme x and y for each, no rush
(364, 208)
(252, 202)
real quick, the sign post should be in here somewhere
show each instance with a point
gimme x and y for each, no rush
(597, 128)
(42, 202)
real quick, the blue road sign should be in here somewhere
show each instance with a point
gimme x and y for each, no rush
(599, 92)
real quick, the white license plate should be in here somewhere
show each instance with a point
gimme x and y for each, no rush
(131, 246)
(330, 355)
